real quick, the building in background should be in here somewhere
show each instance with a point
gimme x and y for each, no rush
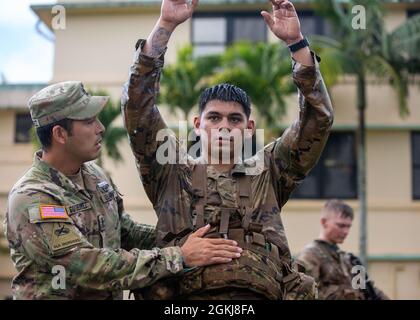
(97, 47)
(15, 156)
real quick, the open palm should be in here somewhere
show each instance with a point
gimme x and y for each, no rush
(177, 11)
(284, 22)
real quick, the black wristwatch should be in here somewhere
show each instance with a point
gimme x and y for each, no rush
(299, 45)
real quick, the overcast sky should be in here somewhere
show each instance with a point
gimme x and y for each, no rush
(25, 56)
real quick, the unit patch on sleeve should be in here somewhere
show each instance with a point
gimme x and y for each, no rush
(64, 236)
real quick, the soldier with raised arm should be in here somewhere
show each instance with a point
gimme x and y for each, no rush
(241, 200)
(67, 230)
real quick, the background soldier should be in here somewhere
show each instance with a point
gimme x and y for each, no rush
(238, 205)
(330, 266)
(66, 219)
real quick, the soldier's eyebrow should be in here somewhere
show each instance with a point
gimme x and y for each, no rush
(213, 113)
(236, 114)
(233, 114)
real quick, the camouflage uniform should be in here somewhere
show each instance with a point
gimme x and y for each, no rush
(3, 242)
(79, 223)
(331, 269)
(176, 199)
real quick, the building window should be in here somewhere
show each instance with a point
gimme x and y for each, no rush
(415, 154)
(312, 24)
(335, 174)
(412, 12)
(23, 125)
(212, 33)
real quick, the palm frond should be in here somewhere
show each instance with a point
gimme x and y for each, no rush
(406, 39)
(383, 68)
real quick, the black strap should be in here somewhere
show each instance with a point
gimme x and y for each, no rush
(199, 185)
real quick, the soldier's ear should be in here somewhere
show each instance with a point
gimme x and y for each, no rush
(59, 135)
(324, 222)
(251, 127)
(197, 123)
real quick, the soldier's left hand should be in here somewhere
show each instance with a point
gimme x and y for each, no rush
(284, 21)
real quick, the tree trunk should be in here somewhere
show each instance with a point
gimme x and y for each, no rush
(361, 166)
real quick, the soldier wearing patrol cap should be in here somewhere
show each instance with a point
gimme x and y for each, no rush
(66, 219)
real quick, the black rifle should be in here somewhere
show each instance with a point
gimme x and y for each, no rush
(369, 292)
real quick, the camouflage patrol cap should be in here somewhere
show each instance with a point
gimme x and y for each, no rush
(64, 100)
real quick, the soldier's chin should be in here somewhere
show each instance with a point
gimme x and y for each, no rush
(95, 155)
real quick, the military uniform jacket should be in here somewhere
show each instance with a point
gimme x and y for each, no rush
(55, 225)
(332, 270)
(169, 186)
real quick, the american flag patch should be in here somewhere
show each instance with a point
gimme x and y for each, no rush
(49, 211)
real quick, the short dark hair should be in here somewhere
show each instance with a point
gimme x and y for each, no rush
(225, 92)
(45, 133)
(340, 207)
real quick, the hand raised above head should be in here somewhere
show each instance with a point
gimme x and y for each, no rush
(284, 21)
(175, 12)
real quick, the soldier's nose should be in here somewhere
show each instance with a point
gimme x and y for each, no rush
(224, 130)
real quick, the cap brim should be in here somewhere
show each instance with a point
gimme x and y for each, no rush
(92, 109)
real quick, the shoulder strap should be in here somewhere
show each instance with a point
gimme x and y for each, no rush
(199, 186)
(244, 199)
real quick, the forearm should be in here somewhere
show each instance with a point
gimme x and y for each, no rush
(104, 269)
(299, 148)
(136, 235)
(126, 270)
(140, 113)
(158, 39)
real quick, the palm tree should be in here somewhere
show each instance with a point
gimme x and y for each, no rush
(365, 52)
(113, 133)
(263, 71)
(183, 81)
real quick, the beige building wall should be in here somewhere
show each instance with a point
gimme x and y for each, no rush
(14, 161)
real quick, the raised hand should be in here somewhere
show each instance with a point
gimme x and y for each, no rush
(284, 21)
(175, 12)
(172, 13)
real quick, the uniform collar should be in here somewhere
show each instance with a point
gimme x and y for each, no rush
(90, 180)
(59, 178)
(238, 169)
(331, 246)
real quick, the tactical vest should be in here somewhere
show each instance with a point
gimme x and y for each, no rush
(261, 268)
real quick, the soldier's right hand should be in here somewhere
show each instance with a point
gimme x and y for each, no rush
(175, 12)
(198, 251)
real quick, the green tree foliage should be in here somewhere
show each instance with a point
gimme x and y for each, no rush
(183, 81)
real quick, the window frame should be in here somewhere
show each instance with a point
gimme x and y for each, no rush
(16, 116)
(414, 165)
(320, 184)
(411, 12)
(230, 17)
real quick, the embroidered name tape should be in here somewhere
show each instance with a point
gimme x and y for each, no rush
(48, 211)
(79, 207)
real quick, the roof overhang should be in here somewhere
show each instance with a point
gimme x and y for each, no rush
(44, 11)
(16, 96)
